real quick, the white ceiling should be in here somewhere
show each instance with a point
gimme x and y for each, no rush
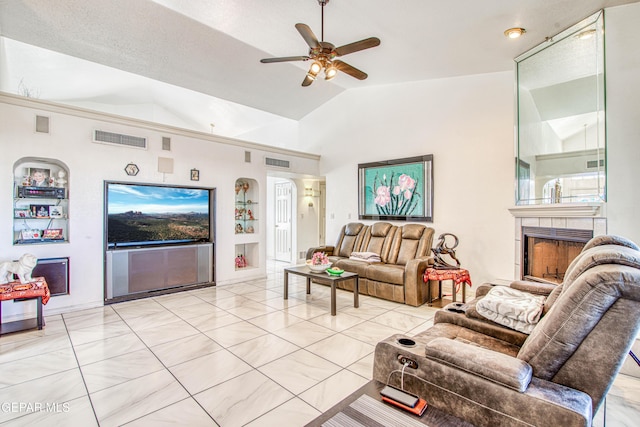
(213, 48)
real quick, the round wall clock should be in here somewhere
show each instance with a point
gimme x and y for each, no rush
(132, 169)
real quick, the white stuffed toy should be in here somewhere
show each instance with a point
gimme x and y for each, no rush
(23, 268)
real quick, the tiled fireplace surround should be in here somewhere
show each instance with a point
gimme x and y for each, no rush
(575, 216)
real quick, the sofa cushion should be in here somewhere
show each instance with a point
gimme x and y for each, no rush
(389, 273)
(378, 238)
(353, 266)
(349, 239)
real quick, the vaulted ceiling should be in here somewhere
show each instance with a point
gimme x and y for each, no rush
(213, 47)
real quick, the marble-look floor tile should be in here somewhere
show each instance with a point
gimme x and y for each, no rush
(211, 295)
(152, 320)
(332, 390)
(243, 288)
(228, 402)
(194, 310)
(187, 412)
(138, 308)
(98, 332)
(250, 309)
(53, 326)
(341, 349)
(171, 331)
(305, 311)
(185, 349)
(120, 369)
(52, 389)
(117, 405)
(41, 365)
(338, 323)
(275, 321)
(85, 318)
(425, 312)
(21, 349)
(207, 371)
(281, 303)
(294, 412)
(264, 349)
(365, 333)
(399, 321)
(213, 320)
(363, 367)
(232, 302)
(74, 413)
(104, 349)
(262, 295)
(299, 371)
(304, 333)
(365, 311)
(177, 300)
(235, 333)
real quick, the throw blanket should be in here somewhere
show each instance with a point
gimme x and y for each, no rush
(511, 308)
(365, 256)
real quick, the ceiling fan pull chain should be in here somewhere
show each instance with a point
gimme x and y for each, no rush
(322, 20)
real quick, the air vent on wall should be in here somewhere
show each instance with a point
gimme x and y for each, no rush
(166, 143)
(103, 137)
(594, 163)
(269, 161)
(42, 124)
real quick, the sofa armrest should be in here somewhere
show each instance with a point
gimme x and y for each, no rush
(413, 283)
(497, 367)
(328, 250)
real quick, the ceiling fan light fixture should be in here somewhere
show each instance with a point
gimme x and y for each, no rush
(514, 33)
(330, 72)
(315, 68)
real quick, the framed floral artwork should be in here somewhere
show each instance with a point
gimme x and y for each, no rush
(400, 189)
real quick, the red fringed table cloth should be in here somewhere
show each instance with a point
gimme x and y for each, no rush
(37, 288)
(457, 275)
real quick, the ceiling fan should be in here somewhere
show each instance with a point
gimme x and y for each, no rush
(323, 54)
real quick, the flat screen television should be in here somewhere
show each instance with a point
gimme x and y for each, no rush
(151, 214)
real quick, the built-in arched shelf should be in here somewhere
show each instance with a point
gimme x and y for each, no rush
(41, 201)
(246, 223)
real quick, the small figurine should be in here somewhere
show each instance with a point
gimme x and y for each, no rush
(238, 186)
(250, 229)
(245, 186)
(239, 228)
(250, 214)
(61, 181)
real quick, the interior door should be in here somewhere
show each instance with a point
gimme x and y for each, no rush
(282, 232)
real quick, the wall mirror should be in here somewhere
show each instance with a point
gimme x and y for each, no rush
(561, 137)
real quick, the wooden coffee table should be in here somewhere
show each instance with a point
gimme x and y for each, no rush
(322, 278)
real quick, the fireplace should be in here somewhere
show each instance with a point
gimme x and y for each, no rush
(547, 252)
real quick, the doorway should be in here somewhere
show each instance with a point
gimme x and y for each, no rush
(282, 219)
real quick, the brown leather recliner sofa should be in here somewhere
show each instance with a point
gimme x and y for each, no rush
(404, 253)
(558, 375)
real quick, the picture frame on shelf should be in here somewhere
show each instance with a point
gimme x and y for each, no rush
(399, 189)
(21, 213)
(52, 234)
(39, 211)
(30, 234)
(39, 177)
(56, 211)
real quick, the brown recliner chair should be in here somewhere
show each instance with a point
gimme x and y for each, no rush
(558, 375)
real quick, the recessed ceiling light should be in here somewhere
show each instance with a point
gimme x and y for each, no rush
(514, 33)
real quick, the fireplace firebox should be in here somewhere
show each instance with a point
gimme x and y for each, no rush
(547, 252)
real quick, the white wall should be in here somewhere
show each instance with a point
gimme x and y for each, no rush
(622, 44)
(465, 122)
(220, 161)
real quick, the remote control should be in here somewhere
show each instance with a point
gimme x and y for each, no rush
(400, 396)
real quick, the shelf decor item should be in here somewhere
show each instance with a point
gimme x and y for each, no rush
(56, 212)
(132, 169)
(319, 262)
(195, 175)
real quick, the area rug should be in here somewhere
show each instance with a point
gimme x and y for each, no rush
(370, 412)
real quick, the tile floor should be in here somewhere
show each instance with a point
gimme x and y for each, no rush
(231, 355)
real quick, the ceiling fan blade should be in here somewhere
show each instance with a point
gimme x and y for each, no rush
(349, 69)
(308, 35)
(284, 59)
(356, 46)
(307, 80)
